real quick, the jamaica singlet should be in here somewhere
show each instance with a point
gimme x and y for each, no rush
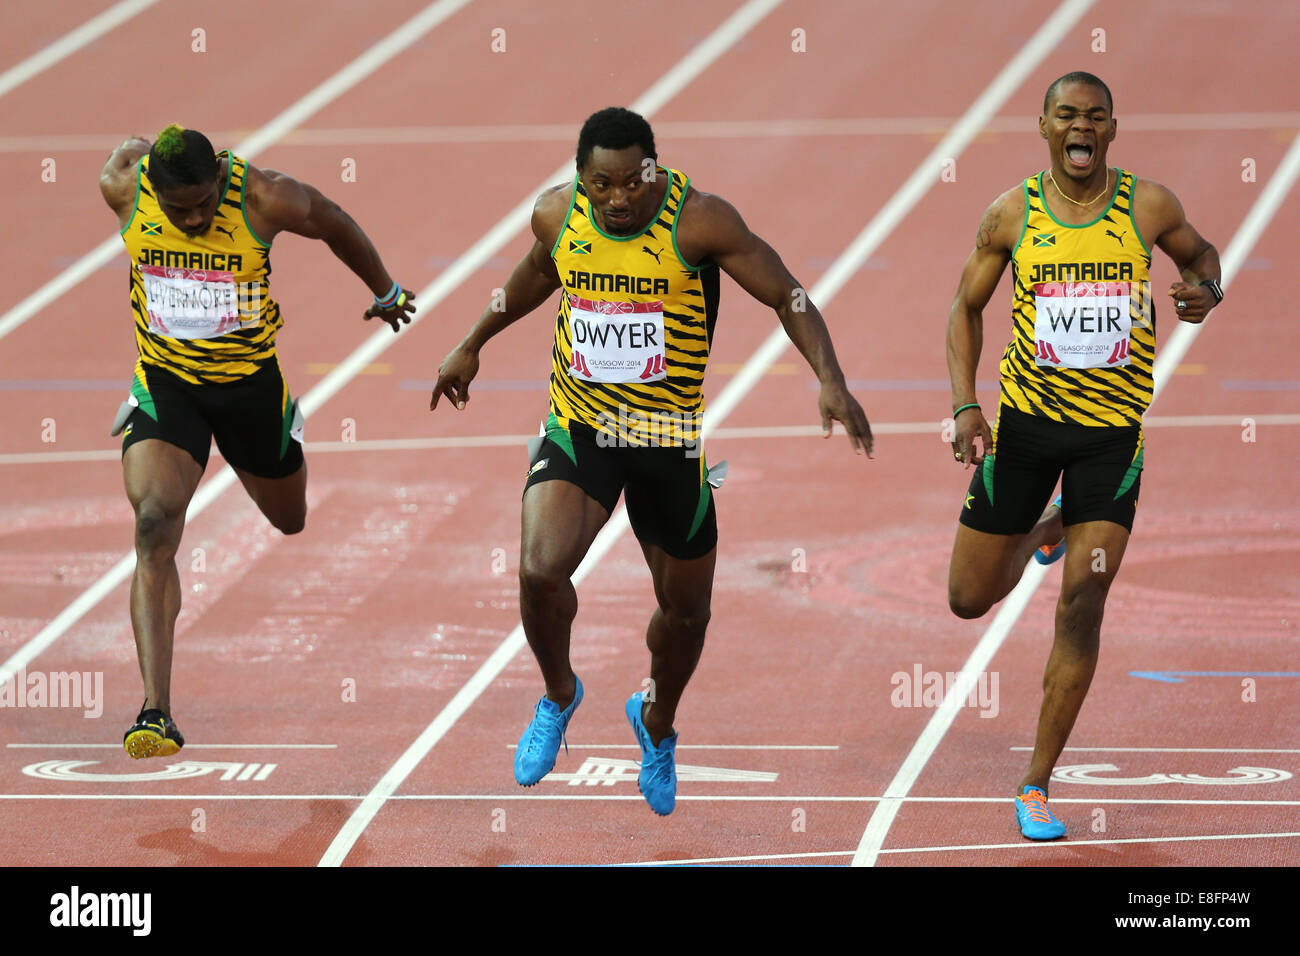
(634, 326)
(1084, 333)
(202, 305)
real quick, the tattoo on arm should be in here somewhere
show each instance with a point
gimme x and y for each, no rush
(989, 226)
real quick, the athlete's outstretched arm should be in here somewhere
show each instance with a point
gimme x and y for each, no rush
(283, 204)
(994, 241)
(1195, 258)
(531, 284)
(117, 179)
(711, 228)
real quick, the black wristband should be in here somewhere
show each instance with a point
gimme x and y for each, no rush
(1216, 290)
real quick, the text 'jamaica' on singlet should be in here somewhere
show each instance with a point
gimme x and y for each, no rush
(202, 304)
(1083, 323)
(634, 326)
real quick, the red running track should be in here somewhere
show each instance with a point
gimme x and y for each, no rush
(832, 569)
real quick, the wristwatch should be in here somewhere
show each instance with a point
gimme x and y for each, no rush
(1216, 290)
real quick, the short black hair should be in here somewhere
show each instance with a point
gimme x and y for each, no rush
(1078, 76)
(181, 157)
(615, 128)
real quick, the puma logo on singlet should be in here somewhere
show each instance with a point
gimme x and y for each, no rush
(1119, 238)
(230, 232)
(648, 251)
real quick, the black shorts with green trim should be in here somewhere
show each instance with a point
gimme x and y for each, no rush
(254, 420)
(669, 500)
(1100, 469)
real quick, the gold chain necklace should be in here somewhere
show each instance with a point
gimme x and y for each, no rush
(1105, 190)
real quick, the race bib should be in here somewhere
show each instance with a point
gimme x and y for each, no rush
(617, 342)
(1083, 324)
(190, 303)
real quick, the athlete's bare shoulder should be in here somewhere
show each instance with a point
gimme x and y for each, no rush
(999, 229)
(117, 180)
(1155, 207)
(274, 201)
(549, 212)
(708, 226)
(263, 184)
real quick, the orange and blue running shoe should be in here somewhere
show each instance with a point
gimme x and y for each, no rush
(153, 734)
(1035, 819)
(1050, 553)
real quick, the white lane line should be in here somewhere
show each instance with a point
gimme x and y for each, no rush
(521, 797)
(1031, 844)
(1176, 750)
(1024, 845)
(671, 83)
(68, 746)
(214, 487)
(841, 270)
(719, 434)
(334, 87)
(720, 128)
(703, 746)
(70, 43)
(1248, 233)
(737, 859)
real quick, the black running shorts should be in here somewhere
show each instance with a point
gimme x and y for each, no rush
(669, 500)
(1101, 465)
(251, 419)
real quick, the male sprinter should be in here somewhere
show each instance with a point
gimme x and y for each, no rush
(1076, 378)
(636, 250)
(198, 226)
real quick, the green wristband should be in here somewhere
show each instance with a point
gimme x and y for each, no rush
(964, 407)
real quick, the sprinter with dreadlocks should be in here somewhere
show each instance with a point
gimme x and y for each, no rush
(198, 227)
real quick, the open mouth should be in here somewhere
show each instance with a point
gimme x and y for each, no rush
(1079, 155)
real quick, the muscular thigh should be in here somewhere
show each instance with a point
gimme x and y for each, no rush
(160, 479)
(1093, 553)
(682, 586)
(570, 490)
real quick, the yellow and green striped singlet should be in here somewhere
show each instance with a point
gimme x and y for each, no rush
(634, 326)
(1083, 323)
(202, 305)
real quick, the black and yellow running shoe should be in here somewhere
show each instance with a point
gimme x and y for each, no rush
(153, 734)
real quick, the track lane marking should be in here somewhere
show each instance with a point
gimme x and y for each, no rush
(70, 43)
(324, 94)
(720, 128)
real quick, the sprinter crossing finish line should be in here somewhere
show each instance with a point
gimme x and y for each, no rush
(1076, 380)
(198, 227)
(635, 251)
